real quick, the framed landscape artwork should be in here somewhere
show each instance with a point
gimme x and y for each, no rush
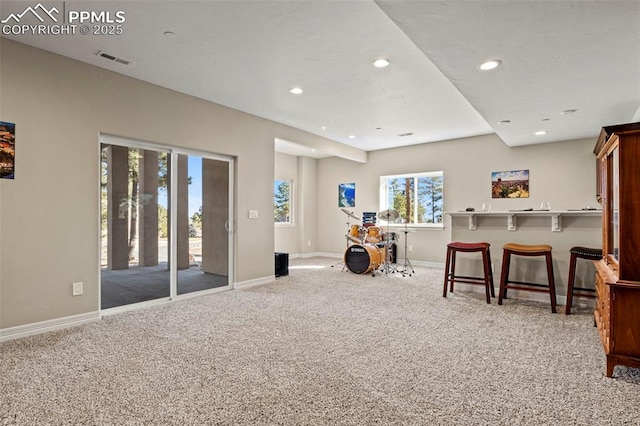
(7, 149)
(347, 195)
(510, 184)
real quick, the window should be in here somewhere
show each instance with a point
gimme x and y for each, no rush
(416, 197)
(282, 211)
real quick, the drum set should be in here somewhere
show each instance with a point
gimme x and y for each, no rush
(370, 248)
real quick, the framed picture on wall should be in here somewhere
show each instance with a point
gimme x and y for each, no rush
(347, 195)
(7, 149)
(510, 184)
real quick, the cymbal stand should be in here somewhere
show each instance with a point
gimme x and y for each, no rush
(344, 265)
(388, 268)
(407, 268)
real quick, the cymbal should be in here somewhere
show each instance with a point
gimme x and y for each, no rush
(388, 215)
(350, 214)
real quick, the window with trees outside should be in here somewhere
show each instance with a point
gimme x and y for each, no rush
(282, 211)
(416, 197)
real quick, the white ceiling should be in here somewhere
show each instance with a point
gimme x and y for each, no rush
(556, 55)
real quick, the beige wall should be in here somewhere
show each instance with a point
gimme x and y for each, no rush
(49, 218)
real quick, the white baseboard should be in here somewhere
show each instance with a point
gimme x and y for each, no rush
(47, 326)
(332, 255)
(255, 282)
(308, 255)
(424, 263)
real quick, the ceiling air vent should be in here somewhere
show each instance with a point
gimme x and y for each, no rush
(113, 58)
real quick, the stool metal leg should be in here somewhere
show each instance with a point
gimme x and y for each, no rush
(488, 263)
(552, 282)
(487, 276)
(504, 276)
(453, 270)
(447, 272)
(572, 277)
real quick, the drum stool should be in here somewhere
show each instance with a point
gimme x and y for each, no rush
(579, 253)
(510, 249)
(450, 267)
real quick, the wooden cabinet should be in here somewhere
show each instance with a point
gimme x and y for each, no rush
(617, 313)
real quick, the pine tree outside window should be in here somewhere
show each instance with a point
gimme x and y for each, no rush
(282, 205)
(417, 197)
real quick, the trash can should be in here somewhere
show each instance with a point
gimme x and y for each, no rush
(282, 264)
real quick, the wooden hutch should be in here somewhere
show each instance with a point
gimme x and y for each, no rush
(617, 313)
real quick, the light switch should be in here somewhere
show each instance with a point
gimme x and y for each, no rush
(253, 214)
(77, 289)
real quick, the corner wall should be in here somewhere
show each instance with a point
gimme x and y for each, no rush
(300, 238)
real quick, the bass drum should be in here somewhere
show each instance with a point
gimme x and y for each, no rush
(364, 258)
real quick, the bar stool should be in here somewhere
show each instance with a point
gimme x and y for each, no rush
(510, 249)
(450, 268)
(579, 253)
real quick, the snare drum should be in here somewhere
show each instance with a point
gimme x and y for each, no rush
(364, 258)
(373, 235)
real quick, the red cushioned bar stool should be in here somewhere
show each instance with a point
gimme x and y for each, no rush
(511, 249)
(579, 253)
(450, 268)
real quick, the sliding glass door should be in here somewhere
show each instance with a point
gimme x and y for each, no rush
(148, 195)
(203, 218)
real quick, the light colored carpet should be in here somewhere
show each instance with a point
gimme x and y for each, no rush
(321, 347)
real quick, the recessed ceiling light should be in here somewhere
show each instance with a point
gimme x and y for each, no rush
(295, 91)
(568, 111)
(323, 128)
(489, 65)
(169, 34)
(313, 150)
(546, 119)
(540, 132)
(381, 63)
(352, 136)
(504, 122)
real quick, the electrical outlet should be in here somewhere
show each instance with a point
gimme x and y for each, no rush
(77, 289)
(410, 248)
(309, 243)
